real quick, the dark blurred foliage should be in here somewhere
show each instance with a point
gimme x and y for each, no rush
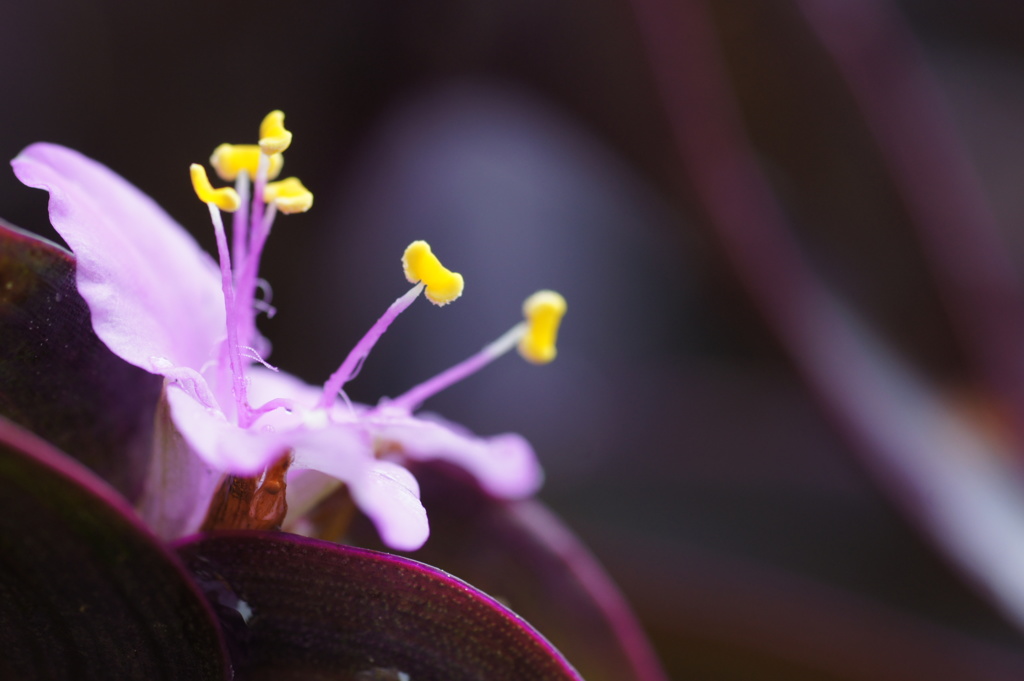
(527, 142)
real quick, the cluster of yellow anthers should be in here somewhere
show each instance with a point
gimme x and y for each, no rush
(230, 160)
(535, 337)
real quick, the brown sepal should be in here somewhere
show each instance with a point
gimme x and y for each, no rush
(247, 503)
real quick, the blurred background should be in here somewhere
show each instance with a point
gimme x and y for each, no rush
(531, 144)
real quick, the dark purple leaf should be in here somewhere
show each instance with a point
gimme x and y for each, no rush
(964, 489)
(521, 553)
(297, 608)
(719, 617)
(57, 378)
(85, 591)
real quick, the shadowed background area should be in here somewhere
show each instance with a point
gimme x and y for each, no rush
(529, 143)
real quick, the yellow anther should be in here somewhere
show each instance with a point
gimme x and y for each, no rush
(224, 198)
(289, 195)
(420, 264)
(543, 311)
(231, 159)
(273, 137)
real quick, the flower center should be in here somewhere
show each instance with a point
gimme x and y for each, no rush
(254, 201)
(251, 167)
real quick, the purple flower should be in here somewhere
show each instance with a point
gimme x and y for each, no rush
(161, 303)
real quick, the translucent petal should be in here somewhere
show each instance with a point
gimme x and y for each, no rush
(387, 493)
(505, 465)
(222, 444)
(153, 292)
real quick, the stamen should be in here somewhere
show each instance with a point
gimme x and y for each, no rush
(420, 264)
(259, 185)
(259, 237)
(240, 220)
(274, 138)
(230, 160)
(259, 230)
(411, 400)
(543, 311)
(224, 198)
(289, 195)
(234, 356)
(354, 361)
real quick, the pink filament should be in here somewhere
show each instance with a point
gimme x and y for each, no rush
(251, 241)
(239, 227)
(351, 365)
(411, 400)
(231, 315)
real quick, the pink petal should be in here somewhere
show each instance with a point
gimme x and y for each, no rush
(180, 484)
(266, 385)
(152, 291)
(306, 489)
(505, 465)
(220, 443)
(390, 497)
(387, 493)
